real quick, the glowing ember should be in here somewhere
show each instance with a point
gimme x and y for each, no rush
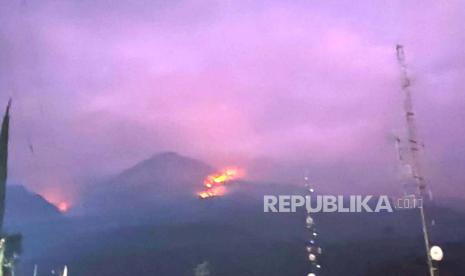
(215, 191)
(63, 207)
(215, 183)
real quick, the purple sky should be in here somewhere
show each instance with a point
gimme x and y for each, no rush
(100, 85)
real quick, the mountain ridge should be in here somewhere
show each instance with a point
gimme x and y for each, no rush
(24, 206)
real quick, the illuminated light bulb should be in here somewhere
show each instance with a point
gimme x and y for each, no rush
(312, 257)
(436, 253)
(309, 221)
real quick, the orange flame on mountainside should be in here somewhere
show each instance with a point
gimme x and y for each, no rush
(57, 199)
(215, 183)
(214, 191)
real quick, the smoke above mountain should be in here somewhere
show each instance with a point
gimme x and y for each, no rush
(98, 86)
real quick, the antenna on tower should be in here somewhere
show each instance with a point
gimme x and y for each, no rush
(412, 147)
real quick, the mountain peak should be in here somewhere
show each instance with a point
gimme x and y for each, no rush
(164, 176)
(162, 170)
(166, 154)
(169, 160)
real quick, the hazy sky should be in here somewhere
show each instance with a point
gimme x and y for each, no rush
(100, 85)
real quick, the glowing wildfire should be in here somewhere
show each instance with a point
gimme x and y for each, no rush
(63, 206)
(56, 198)
(215, 183)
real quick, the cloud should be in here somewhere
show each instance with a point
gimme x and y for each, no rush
(98, 87)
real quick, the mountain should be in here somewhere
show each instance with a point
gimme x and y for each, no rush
(24, 207)
(157, 181)
(166, 171)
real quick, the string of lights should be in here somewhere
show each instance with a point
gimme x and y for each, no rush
(311, 244)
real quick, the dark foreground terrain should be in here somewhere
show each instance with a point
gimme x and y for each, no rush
(240, 241)
(132, 233)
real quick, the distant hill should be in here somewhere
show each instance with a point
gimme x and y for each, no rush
(23, 207)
